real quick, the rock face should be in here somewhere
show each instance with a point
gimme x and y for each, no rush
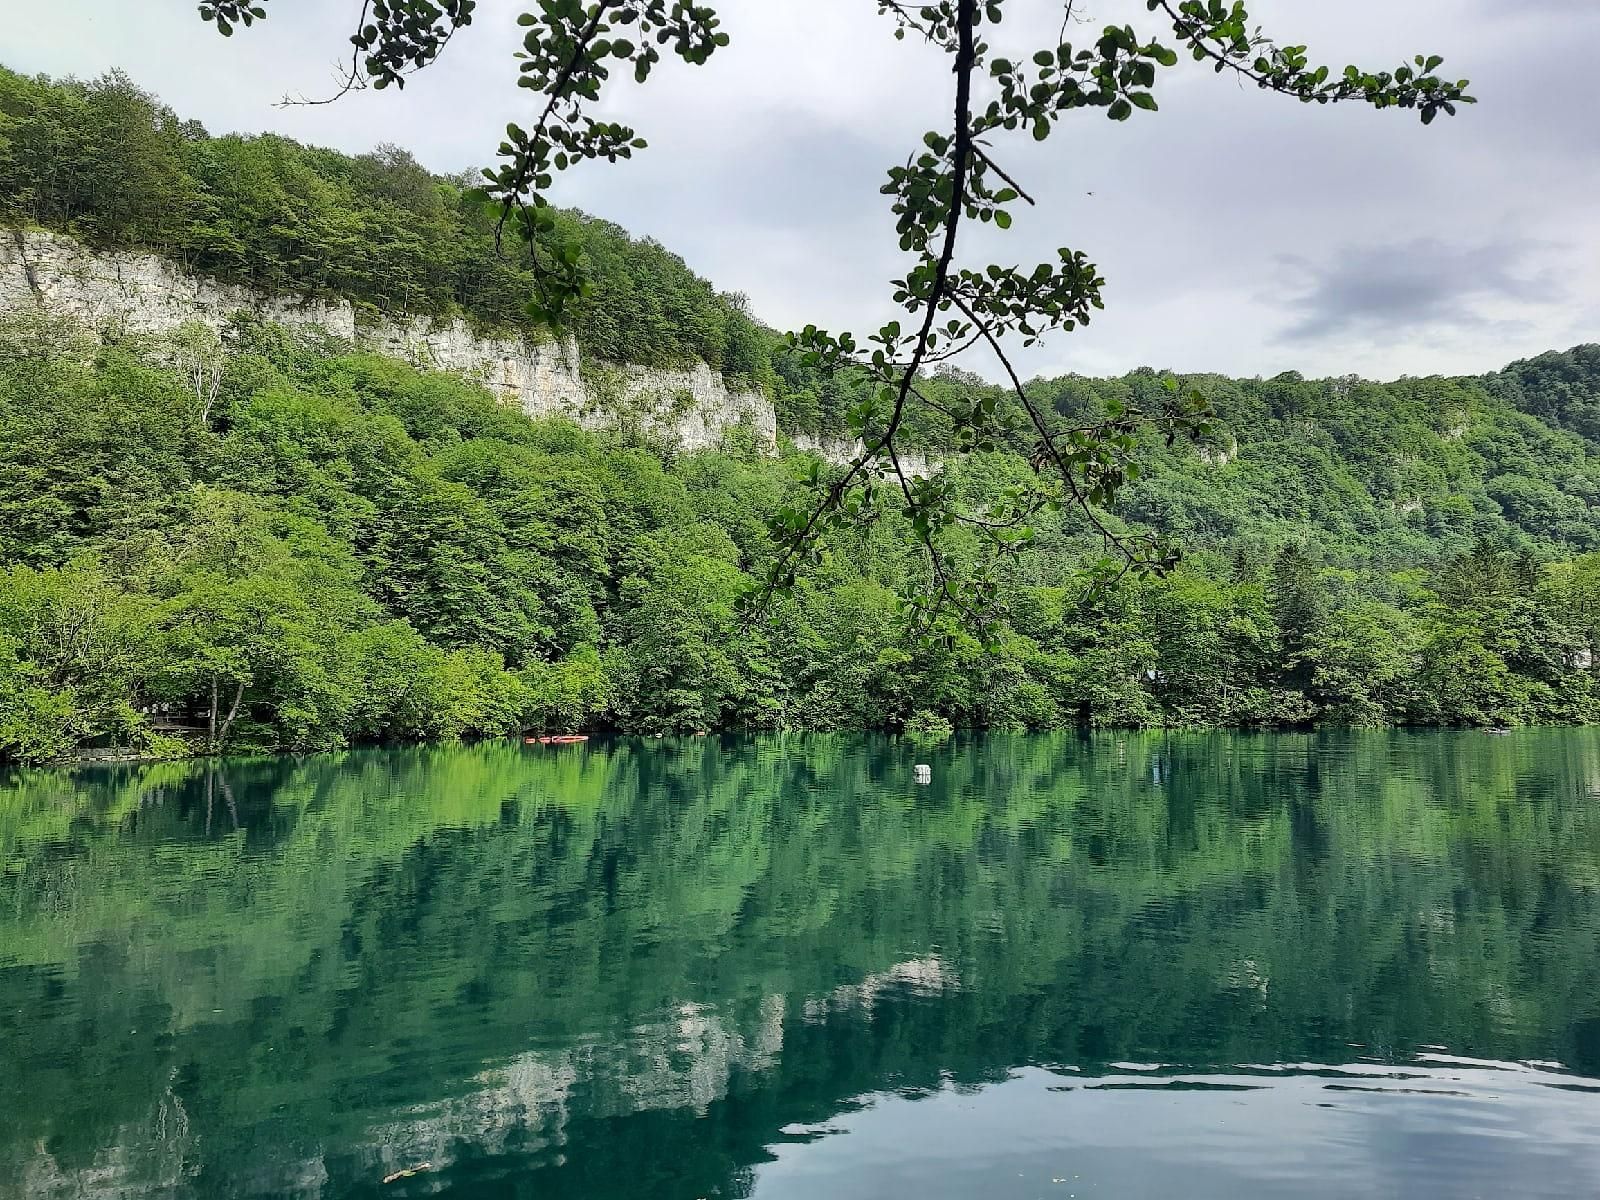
(1220, 456)
(134, 292)
(838, 451)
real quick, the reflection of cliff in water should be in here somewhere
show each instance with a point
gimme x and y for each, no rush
(494, 959)
(521, 1110)
(689, 1060)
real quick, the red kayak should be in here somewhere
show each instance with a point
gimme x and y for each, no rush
(565, 739)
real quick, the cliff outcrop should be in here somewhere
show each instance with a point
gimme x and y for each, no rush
(115, 292)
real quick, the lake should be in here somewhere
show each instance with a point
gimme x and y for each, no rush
(1324, 965)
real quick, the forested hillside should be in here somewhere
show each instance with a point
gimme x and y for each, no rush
(275, 541)
(110, 164)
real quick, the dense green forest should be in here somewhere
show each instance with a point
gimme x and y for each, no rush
(344, 548)
(277, 541)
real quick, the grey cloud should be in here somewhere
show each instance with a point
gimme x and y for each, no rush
(1391, 291)
(1535, 97)
(1523, 9)
(811, 174)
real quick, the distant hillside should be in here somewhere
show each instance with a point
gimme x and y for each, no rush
(110, 164)
(1384, 474)
(1379, 475)
(277, 538)
(1388, 474)
(1562, 389)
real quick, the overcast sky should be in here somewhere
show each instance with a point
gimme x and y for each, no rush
(1238, 231)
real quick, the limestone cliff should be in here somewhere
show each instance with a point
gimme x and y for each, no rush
(136, 292)
(838, 450)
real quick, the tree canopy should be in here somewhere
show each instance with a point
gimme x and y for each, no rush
(569, 53)
(311, 546)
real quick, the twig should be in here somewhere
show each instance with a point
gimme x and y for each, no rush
(998, 170)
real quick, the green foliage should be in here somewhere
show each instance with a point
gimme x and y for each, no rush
(264, 540)
(568, 55)
(949, 309)
(567, 58)
(328, 547)
(928, 728)
(1561, 389)
(72, 647)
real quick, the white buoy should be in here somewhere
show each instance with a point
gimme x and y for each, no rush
(923, 773)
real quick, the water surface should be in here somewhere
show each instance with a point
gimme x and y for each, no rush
(1127, 965)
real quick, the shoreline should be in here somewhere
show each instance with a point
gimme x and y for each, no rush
(93, 758)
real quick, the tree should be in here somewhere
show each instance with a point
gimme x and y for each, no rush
(1298, 606)
(253, 606)
(103, 157)
(569, 53)
(71, 648)
(1363, 664)
(196, 352)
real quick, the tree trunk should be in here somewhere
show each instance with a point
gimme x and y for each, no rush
(233, 711)
(211, 722)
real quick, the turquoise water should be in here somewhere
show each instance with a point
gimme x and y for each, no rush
(1122, 965)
